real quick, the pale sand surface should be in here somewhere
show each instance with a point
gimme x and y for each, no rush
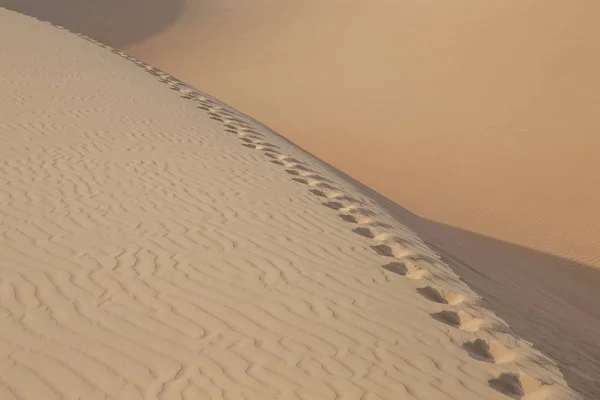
(156, 243)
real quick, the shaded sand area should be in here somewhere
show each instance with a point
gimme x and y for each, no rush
(157, 244)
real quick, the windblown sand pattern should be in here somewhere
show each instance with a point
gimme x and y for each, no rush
(157, 244)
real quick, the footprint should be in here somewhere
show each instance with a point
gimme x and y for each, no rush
(356, 218)
(298, 173)
(261, 146)
(226, 114)
(372, 233)
(189, 97)
(239, 125)
(520, 386)
(366, 232)
(175, 84)
(215, 117)
(257, 141)
(295, 165)
(306, 173)
(273, 155)
(489, 351)
(440, 295)
(336, 204)
(459, 319)
(330, 194)
(166, 78)
(393, 250)
(314, 183)
(191, 93)
(250, 138)
(407, 269)
(245, 128)
(284, 158)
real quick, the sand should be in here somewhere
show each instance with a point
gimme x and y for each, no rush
(156, 243)
(478, 116)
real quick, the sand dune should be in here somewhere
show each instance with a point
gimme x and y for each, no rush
(156, 243)
(477, 115)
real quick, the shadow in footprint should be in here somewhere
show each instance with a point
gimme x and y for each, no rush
(392, 251)
(440, 296)
(307, 173)
(396, 267)
(520, 386)
(250, 138)
(407, 269)
(364, 231)
(298, 166)
(508, 384)
(356, 218)
(310, 182)
(492, 352)
(333, 194)
(335, 205)
(459, 319)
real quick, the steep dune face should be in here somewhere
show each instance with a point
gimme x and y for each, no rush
(492, 103)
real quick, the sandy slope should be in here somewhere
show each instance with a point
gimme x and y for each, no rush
(154, 246)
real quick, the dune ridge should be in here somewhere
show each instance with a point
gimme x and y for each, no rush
(160, 244)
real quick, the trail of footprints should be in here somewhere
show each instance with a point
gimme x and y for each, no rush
(407, 262)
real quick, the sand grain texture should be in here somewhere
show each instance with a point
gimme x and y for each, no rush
(479, 116)
(152, 245)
